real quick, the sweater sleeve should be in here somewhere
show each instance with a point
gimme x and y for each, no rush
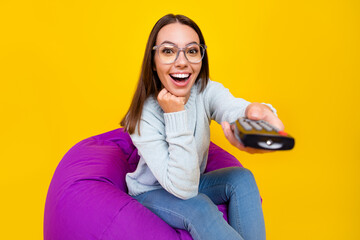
(169, 150)
(221, 105)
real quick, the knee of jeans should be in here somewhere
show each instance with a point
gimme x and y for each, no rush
(243, 178)
(205, 208)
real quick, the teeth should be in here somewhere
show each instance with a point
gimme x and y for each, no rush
(181, 75)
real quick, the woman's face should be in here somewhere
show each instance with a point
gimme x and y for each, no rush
(179, 76)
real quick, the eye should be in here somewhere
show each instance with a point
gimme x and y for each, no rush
(167, 50)
(193, 51)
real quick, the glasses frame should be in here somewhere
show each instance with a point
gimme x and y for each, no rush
(181, 50)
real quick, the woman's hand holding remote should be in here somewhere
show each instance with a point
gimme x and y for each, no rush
(255, 111)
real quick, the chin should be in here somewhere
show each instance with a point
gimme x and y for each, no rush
(179, 94)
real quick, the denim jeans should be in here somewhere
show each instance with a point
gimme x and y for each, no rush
(200, 216)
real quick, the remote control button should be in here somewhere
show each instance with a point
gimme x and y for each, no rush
(273, 146)
(283, 133)
(245, 125)
(256, 126)
(265, 126)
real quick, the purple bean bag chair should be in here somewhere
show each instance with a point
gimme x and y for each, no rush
(87, 197)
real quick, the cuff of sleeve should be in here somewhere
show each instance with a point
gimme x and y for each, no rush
(175, 122)
(271, 107)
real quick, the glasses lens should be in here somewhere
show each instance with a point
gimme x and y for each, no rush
(194, 53)
(167, 53)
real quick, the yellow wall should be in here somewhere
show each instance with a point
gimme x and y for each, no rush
(68, 70)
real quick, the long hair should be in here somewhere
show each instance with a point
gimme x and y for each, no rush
(149, 83)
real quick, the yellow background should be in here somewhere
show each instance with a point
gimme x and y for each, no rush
(68, 70)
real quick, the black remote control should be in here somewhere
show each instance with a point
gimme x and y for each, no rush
(260, 134)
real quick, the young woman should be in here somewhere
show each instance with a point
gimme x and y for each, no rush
(168, 122)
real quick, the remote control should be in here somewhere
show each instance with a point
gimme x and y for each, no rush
(260, 134)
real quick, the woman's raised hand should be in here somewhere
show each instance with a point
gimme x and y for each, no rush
(169, 102)
(255, 111)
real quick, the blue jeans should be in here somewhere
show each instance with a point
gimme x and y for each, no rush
(200, 216)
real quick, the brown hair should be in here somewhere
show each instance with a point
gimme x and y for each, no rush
(149, 82)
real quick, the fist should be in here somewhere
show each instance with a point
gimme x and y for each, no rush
(258, 111)
(169, 102)
(255, 111)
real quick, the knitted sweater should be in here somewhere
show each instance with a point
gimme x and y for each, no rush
(173, 147)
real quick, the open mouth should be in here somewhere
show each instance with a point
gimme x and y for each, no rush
(180, 77)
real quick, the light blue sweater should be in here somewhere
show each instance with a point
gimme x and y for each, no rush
(173, 147)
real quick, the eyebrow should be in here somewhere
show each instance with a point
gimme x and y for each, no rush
(176, 44)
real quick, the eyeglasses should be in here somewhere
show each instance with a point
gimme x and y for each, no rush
(168, 53)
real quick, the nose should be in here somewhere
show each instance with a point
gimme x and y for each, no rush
(181, 60)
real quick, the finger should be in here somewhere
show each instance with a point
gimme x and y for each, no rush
(271, 118)
(182, 100)
(162, 93)
(229, 134)
(255, 111)
(167, 96)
